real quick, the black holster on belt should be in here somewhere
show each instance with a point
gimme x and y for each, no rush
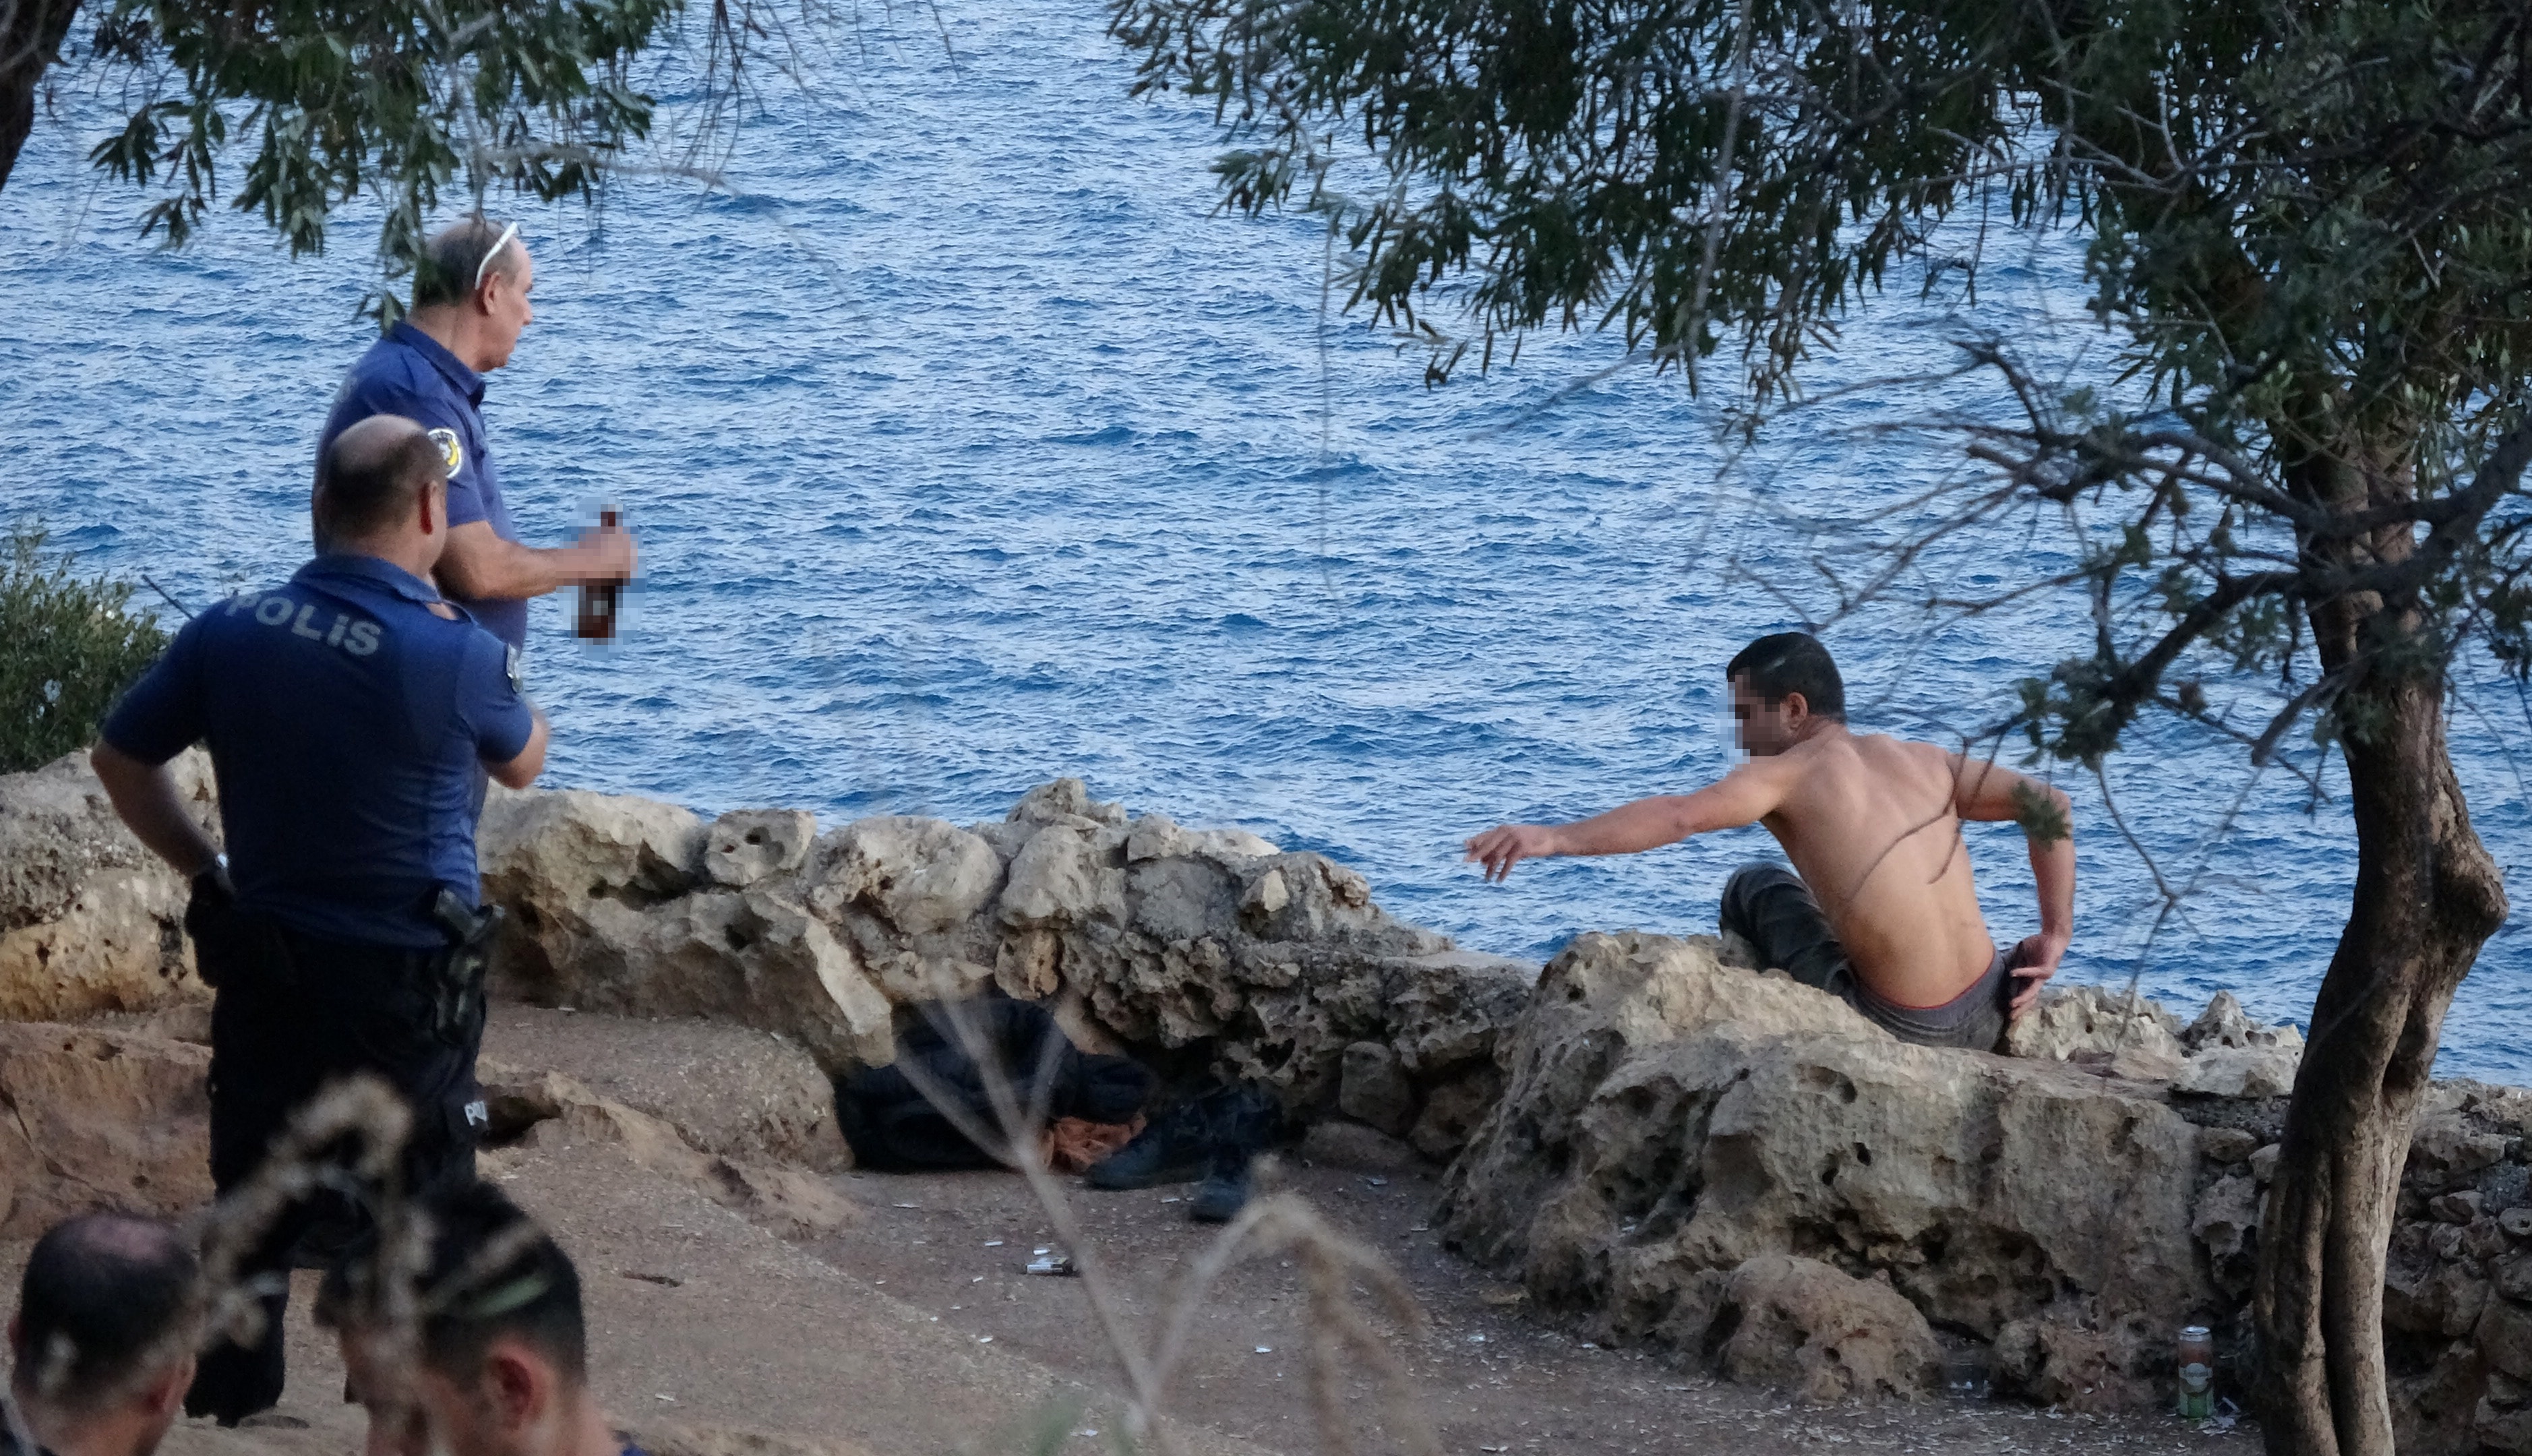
(212, 921)
(457, 997)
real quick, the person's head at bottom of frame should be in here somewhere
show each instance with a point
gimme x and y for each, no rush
(102, 1342)
(493, 1357)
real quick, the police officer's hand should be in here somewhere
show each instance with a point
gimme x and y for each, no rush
(207, 912)
(607, 555)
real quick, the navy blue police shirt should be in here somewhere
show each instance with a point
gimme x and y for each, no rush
(407, 373)
(345, 722)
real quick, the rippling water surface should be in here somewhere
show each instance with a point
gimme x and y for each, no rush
(967, 448)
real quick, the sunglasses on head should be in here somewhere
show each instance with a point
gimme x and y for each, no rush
(483, 268)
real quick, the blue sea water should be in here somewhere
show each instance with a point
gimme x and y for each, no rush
(968, 446)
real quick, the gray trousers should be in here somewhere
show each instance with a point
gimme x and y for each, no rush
(1769, 906)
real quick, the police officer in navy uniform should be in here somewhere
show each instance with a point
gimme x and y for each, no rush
(351, 714)
(470, 302)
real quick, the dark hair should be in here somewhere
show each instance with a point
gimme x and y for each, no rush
(444, 272)
(493, 1273)
(371, 476)
(1784, 663)
(108, 1300)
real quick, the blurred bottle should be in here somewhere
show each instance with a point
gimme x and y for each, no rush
(2197, 1374)
(598, 598)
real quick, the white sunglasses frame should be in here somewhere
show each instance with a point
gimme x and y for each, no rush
(485, 268)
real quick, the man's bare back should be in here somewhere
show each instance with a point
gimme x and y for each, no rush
(1872, 826)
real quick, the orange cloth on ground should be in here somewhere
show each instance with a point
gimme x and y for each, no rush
(1071, 1144)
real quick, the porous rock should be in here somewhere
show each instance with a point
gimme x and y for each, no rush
(1158, 837)
(2225, 1144)
(576, 870)
(2069, 1022)
(2240, 1072)
(2430, 1297)
(744, 846)
(1666, 1118)
(2226, 1220)
(1066, 801)
(2445, 1147)
(1056, 882)
(1453, 1109)
(2222, 1023)
(90, 921)
(1804, 1326)
(1151, 936)
(923, 876)
(1375, 1089)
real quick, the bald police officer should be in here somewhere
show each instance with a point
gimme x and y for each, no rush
(349, 713)
(470, 303)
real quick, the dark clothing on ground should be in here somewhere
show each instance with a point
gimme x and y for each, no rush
(407, 373)
(294, 1014)
(1769, 905)
(895, 1127)
(348, 725)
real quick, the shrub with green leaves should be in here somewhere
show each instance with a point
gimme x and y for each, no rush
(68, 645)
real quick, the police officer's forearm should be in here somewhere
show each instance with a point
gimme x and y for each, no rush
(480, 566)
(145, 799)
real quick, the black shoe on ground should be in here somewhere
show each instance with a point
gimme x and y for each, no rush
(1175, 1148)
(1226, 1189)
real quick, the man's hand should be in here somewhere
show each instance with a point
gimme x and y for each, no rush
(606, 555)
(2032, 962)
(1499, 849)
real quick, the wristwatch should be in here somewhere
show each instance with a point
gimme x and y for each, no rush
(218, 873)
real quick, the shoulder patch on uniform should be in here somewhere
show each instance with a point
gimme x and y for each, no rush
(451, 453)
(510, 666)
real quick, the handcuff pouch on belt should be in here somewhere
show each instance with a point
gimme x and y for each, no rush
(457, 992)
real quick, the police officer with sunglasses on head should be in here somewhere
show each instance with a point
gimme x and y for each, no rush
(470, 303)
(352, 714)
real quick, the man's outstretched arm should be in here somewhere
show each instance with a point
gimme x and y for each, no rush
(1991, 792)
(480, 566)
(1745, 795)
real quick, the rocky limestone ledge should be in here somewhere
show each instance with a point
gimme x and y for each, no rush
(1210, 944)
(90, 921)
(1683, 1148)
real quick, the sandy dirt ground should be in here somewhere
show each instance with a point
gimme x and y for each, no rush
(915, 1330)
(1491, 1377)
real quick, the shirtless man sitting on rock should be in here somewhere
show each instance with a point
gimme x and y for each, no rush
(1878, 909)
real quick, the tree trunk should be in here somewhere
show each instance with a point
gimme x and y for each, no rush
(2427, 897)
(32, 33)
